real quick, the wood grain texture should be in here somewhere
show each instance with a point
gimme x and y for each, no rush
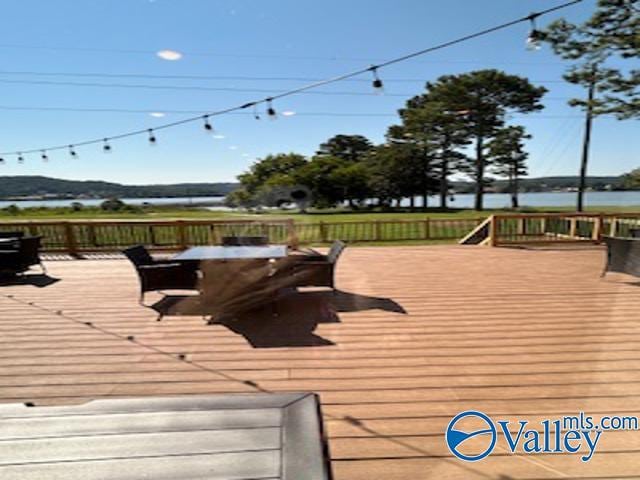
(514, 333)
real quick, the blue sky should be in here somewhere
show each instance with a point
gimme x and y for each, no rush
(278, 41)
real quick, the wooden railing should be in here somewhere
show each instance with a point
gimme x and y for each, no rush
(77, 237)
(549, 228)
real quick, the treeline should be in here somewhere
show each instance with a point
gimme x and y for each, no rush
(457, 126)
(25, 185)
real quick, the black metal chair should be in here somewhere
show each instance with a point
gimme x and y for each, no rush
(634, 232)
(24, 254)
(623, 256)
(317, 270)
(237, 241)
(11, 234)
(155, 275)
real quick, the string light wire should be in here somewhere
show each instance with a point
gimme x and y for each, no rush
(310, 86)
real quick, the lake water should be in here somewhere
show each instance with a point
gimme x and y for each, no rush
(94, 202)
(543, 199)
(491, 200)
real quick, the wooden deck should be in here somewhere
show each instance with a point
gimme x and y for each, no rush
(516, 334)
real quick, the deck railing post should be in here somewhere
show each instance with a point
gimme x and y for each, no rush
(573, 224)
(614, 227)
(182, 234)
(598, 228)
(323, 232)
(293, 235)
(493, 231)
(70, 239)
(378, 231)
(427, 228)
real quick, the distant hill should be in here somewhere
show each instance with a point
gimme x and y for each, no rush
(28, 186)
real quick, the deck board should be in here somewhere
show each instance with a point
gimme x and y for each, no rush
(511, 332)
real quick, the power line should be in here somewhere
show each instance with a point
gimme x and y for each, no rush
(311, 86)
(194, 88)
(332, 58)
(214, 77)
(202, 112)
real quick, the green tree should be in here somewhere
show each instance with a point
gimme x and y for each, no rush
(631, 180)
(113, 205)
(442, 132)
(273, 170)
(351, 148)
(482, 99)
(609, 35)
(506, 151)
(395, 172)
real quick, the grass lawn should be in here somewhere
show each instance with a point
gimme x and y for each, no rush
(160, 213)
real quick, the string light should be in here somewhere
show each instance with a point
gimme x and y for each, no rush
(377, 84)
(44, 156)
(207, 126)
(533, 42)
(535, 36)
(270, 110)
(152, 137)
(1, 160)
(20, 158)
(72, 152)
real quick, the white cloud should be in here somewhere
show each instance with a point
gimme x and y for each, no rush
(158, 114)
(288, 113)
(218, 136)
(171, 55)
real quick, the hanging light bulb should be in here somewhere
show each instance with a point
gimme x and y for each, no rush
(72, 152)
(20, 158)
(44, 156)
(207, 126)
(152, 137)
(256, 115)
(378, 86)
(1, 160)
(270, 110)
(106, 148)
(535, 36)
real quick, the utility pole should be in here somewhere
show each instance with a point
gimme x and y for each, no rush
(587, 138)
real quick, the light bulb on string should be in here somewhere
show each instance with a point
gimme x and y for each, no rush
(152, 137)
(270, 110)
(106, 148)
(20, 158)
(207, 126)
(256, 115)
(44, 156)
(535, 36)
(72, 152)
(1, 160)
(378, 86)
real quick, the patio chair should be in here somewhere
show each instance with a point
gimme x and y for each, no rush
(634, 232)
(317, 270)
(623, 256)
(155, 275)
(24, 254)
(11, 234)
(236, 241)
